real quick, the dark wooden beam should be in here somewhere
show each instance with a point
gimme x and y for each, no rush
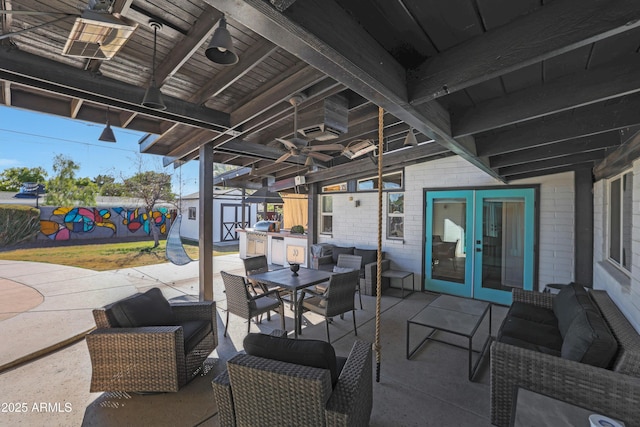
(583, 231)
(619, 160)
(55, 77)
(564, 148)
(557, 27)
(182, 51)
(316, 31)
(572, 91)
(573, 159)
(585, 121)
(551, 171)
(364, 165)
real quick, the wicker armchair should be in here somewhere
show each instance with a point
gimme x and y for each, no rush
(268, 392)
(614, 392)
(150, 358)
(345, 261)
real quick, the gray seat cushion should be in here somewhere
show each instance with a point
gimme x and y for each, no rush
(589, 340)
(313, 353)
(533, 313)
(194, 331)
(531, 335)
(148, 309)
(337, 250)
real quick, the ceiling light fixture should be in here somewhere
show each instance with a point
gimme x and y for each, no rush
(107, 134)
(97, 34)
(220, 49)
(357, 148)
(410, 140)
(153, 96)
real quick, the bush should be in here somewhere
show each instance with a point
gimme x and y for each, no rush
(18, 224)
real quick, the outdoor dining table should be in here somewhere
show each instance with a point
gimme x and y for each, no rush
(284, 278)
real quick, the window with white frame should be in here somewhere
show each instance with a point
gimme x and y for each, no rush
(326, 226)
(390, 181)
(620, 220)
(192, 213)
(395, 216)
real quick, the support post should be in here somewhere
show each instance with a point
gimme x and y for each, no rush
(205, 222)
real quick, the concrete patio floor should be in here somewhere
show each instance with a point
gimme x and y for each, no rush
(430, 389)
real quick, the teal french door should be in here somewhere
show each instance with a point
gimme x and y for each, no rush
(480, 243)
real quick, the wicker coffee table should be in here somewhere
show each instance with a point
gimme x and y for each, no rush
(455, 315)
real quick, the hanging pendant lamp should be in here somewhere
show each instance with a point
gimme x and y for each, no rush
(107, 134)
(153, 96)
(220, 49)
(410, 140)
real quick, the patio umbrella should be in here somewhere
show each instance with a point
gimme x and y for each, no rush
(377, 346)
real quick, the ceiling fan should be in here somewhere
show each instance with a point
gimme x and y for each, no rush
(299, 146)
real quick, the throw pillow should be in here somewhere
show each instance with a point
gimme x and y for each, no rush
(368, 255)
(568, 303)
(337, 250)
(313, 353)
(147, 309)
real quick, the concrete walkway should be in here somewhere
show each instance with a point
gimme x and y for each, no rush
(46, 306)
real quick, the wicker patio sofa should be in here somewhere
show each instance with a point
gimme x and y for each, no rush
(614, 391)
(325, 257)
(269, 392)
(162, 355)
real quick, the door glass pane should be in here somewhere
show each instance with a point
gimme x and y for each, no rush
(447, 246)
(503, 249)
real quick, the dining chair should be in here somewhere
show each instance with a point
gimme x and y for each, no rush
(336, 300)
(255, 265)
(346, 263)
(241, 303)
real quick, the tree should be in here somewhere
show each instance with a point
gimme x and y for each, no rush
(64, 189)
(108, 186)
(151, 187)
(11, 179)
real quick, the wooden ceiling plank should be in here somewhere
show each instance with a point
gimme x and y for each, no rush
(557, 27)
(549, 151)
(277, 94)
(316, 30)
(564, 93)
(590, 120)
(550, 171)
(126, 117)
(531, 166)
(181, 52)
(248, 60)
(52, 76)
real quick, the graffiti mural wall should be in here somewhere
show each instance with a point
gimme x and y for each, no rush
(70, 223)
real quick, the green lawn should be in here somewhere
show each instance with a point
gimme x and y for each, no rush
(100, 257)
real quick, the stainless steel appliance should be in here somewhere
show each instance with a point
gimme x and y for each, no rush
(256, 243)
(273, 226)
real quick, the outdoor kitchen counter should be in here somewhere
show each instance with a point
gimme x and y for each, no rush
(280, 248)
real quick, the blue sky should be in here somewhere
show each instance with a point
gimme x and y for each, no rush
(30, 139)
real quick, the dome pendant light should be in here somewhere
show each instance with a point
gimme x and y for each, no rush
(410, 140)
(220, 49)
(153, 96)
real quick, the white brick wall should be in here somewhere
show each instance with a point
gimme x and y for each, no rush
(624, 290)
(358, 226)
